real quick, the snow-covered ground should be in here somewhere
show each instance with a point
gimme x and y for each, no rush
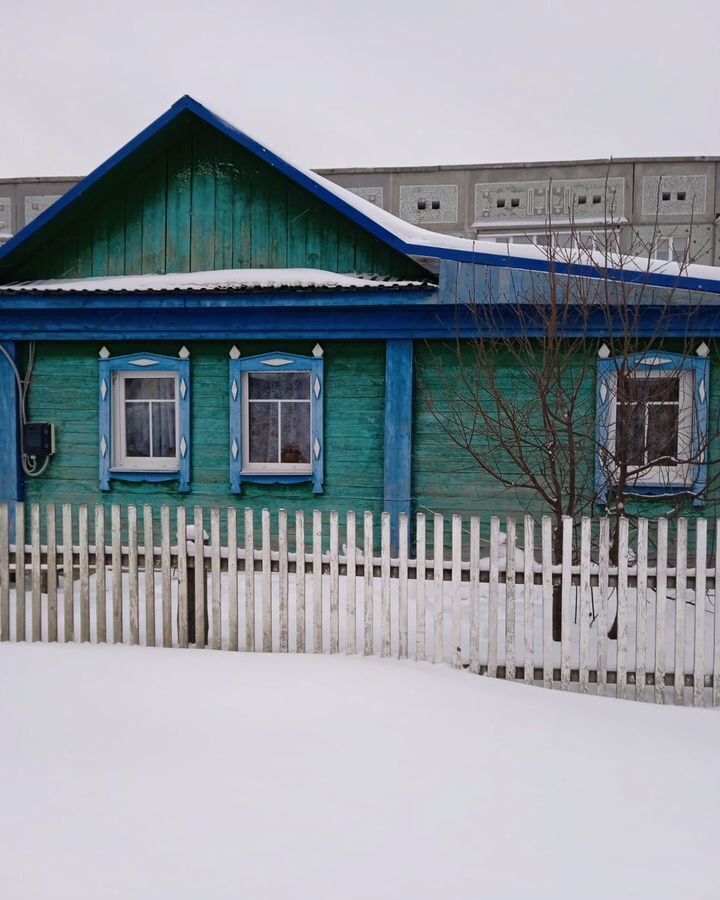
(140, 773)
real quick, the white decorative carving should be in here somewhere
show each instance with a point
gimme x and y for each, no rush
(183, 447)
(38, 204)
(103, 446)
(103, 389)
(654, 360)
(317, 351)
(703, 349)
(184, 353)
(143, 361)
(603, 391)
(234, 390)
(316, 448)
(429, 203)
(674, 195)
(373, 195)
(701, 390)
(316, 387)
(234, 352)
(183, 388)
(277, 361)
(235, 449)
(104, 353)
(604, 351)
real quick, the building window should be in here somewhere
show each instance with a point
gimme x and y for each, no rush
(144, 418)
(652, 423)
(276, 419)
(673, 248)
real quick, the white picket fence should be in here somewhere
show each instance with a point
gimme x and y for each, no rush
(323, 585)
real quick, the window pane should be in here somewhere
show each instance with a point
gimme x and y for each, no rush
(662, 435)
(651, 390)
(137, 429)
(279, 385)
(263, 432)
(150, 388)
(630, 434)
(163, 429)
(295, 432)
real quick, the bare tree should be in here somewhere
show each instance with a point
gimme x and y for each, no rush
(570, 394)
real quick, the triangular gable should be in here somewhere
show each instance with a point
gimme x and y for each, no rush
(193, 193)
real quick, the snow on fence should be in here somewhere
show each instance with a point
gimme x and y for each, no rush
(319, 585)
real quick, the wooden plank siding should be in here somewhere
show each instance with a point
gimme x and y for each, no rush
(65, 391)
(191, 200)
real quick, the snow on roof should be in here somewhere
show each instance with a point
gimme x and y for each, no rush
(220, 280)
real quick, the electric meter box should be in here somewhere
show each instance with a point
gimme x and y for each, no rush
(39, 439)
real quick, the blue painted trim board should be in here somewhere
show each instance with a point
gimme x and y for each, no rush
(397, 490)
(11, 480)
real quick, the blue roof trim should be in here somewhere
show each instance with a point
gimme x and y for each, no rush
(188, 104)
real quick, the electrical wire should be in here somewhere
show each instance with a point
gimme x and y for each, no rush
(29, 463)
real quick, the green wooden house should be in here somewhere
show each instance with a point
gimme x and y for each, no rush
(200, 322)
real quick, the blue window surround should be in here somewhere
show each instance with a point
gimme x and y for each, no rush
(143, 364)
(268, 362)
(655, 361)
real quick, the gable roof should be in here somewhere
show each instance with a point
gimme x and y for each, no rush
(427, 247)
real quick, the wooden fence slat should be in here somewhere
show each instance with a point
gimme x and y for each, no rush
(368, 644)
(334, 584)
(68, 579)
(84, 560)
(680, 602)
(283, 581)
(216, 635)
(716, 622)
(622, 592)
(660, 608)
(603, 600)
(317, 582)
(133, 588)
(52, 572)
(403, 586)
(100, 580)
(547, 590)
(567, 591)
(474, 595)
(456, 575)
(351, 583)
(641, 609)
(183, 576)
(584, 611)
(4, 572)
(700, 584)
(528, 599)
(166, 576)
(439, 585)
(493, 590)
(233, 638)
(199, 577)
(116, 560)
(510, 545)
(149, 575)
(35, 624)
(249, 579)
(385, 584)
(20, 598)
(300, 593)
(420, 586)
(266, 583)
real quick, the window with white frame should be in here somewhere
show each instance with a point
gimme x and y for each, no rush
(590, 241)
(673, 248)
(278, 412)
(145, 421)
(144, 418)
(276, 418)
(652, 417)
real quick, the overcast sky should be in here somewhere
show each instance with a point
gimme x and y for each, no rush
(377, 82)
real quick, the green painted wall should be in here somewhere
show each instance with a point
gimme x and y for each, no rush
(65, 391)
(192, 200)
